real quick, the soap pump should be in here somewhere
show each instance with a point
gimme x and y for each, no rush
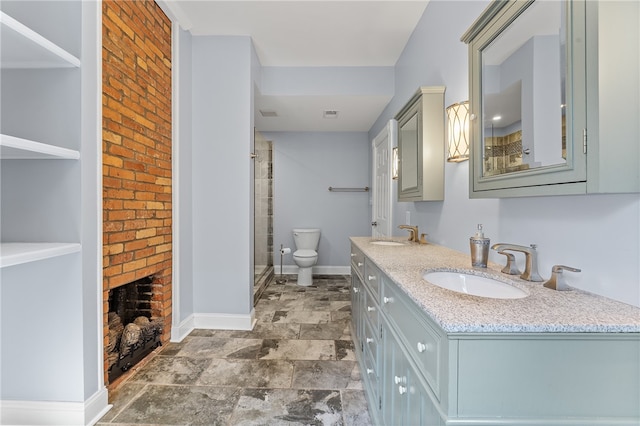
(479, 248)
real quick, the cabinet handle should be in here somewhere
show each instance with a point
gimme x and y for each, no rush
(360, 263)
(422, 347)
(402, 390)
(372, 277)
(369, 340)
(370, 308)
(353, 255)
(369, 371)
(387, 299)
(398, 380)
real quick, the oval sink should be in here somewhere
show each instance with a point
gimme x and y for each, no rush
(474, 285)
(387, 243)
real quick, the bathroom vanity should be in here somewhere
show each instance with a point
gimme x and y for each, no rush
(432, 356)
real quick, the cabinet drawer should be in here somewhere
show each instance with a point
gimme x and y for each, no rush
(422, 341)
(372, 279)
(357, 260)
(371, 309)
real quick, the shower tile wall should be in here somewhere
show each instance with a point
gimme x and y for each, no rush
(263, 206)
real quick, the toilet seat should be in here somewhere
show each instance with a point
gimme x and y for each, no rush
(305, 253)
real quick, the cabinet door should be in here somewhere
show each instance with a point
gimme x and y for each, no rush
(421, 146)
(403, 397)
(406, 400)
(394, 380)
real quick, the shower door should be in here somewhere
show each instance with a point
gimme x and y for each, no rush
(263, 211)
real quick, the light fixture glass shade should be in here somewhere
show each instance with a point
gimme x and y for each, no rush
(394, 163)
(458, 132)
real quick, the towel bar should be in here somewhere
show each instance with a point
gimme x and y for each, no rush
(365, 189)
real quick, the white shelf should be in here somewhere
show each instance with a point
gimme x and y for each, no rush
(24, 48)
(12, 148)
(17, 253)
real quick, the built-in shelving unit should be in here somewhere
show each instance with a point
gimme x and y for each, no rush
(50, 228)
(29, 62)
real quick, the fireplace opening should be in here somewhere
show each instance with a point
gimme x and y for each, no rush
(133, 332)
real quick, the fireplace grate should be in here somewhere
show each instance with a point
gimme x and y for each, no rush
(136, 352)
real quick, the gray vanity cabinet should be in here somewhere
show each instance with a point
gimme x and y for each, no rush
(396, 387)
(366, 328)
(415, 373)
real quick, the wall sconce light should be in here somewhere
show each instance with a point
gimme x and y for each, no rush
(394, 163)
(458, 132)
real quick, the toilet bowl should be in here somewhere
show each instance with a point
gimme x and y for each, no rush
(305, 256)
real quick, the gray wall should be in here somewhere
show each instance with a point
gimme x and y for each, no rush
(598, 233)
(222, 186)
(305, 165)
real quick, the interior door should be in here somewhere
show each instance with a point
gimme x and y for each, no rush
(381, 220)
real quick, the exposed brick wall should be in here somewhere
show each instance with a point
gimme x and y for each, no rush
(136, 152)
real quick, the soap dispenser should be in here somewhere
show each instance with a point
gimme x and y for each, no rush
(479, 248)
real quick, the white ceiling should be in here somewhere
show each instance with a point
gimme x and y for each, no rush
(307, 33)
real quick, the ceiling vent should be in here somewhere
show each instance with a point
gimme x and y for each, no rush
(268, 113)
(330, 113)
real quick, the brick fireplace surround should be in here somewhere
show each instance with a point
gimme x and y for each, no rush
(136, 132)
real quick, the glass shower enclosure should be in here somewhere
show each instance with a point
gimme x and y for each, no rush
(263, 214)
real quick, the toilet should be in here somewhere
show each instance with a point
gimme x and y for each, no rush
(305, 255)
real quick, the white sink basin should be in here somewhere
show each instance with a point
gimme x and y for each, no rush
(387, 243)
(474, 285)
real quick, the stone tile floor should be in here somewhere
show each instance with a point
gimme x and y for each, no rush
(296, 367)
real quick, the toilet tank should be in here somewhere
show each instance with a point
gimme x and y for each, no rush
(306, 238)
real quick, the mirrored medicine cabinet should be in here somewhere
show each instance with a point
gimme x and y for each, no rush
(554, 98)
(421, 146)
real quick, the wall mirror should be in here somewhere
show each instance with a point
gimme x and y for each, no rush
(524, 75)
(527, 96)
(408, 140)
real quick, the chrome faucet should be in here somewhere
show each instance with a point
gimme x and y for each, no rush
(413, 230)
(531, 260)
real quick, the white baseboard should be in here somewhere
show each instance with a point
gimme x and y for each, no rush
(212, 322)
(224, 321)
(332, 270)
(55, 413)
(183, 329)
(317, 270)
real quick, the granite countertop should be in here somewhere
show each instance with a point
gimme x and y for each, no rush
(543, 311)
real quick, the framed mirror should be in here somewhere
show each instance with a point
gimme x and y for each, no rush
(527, 83)
(408, 148)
